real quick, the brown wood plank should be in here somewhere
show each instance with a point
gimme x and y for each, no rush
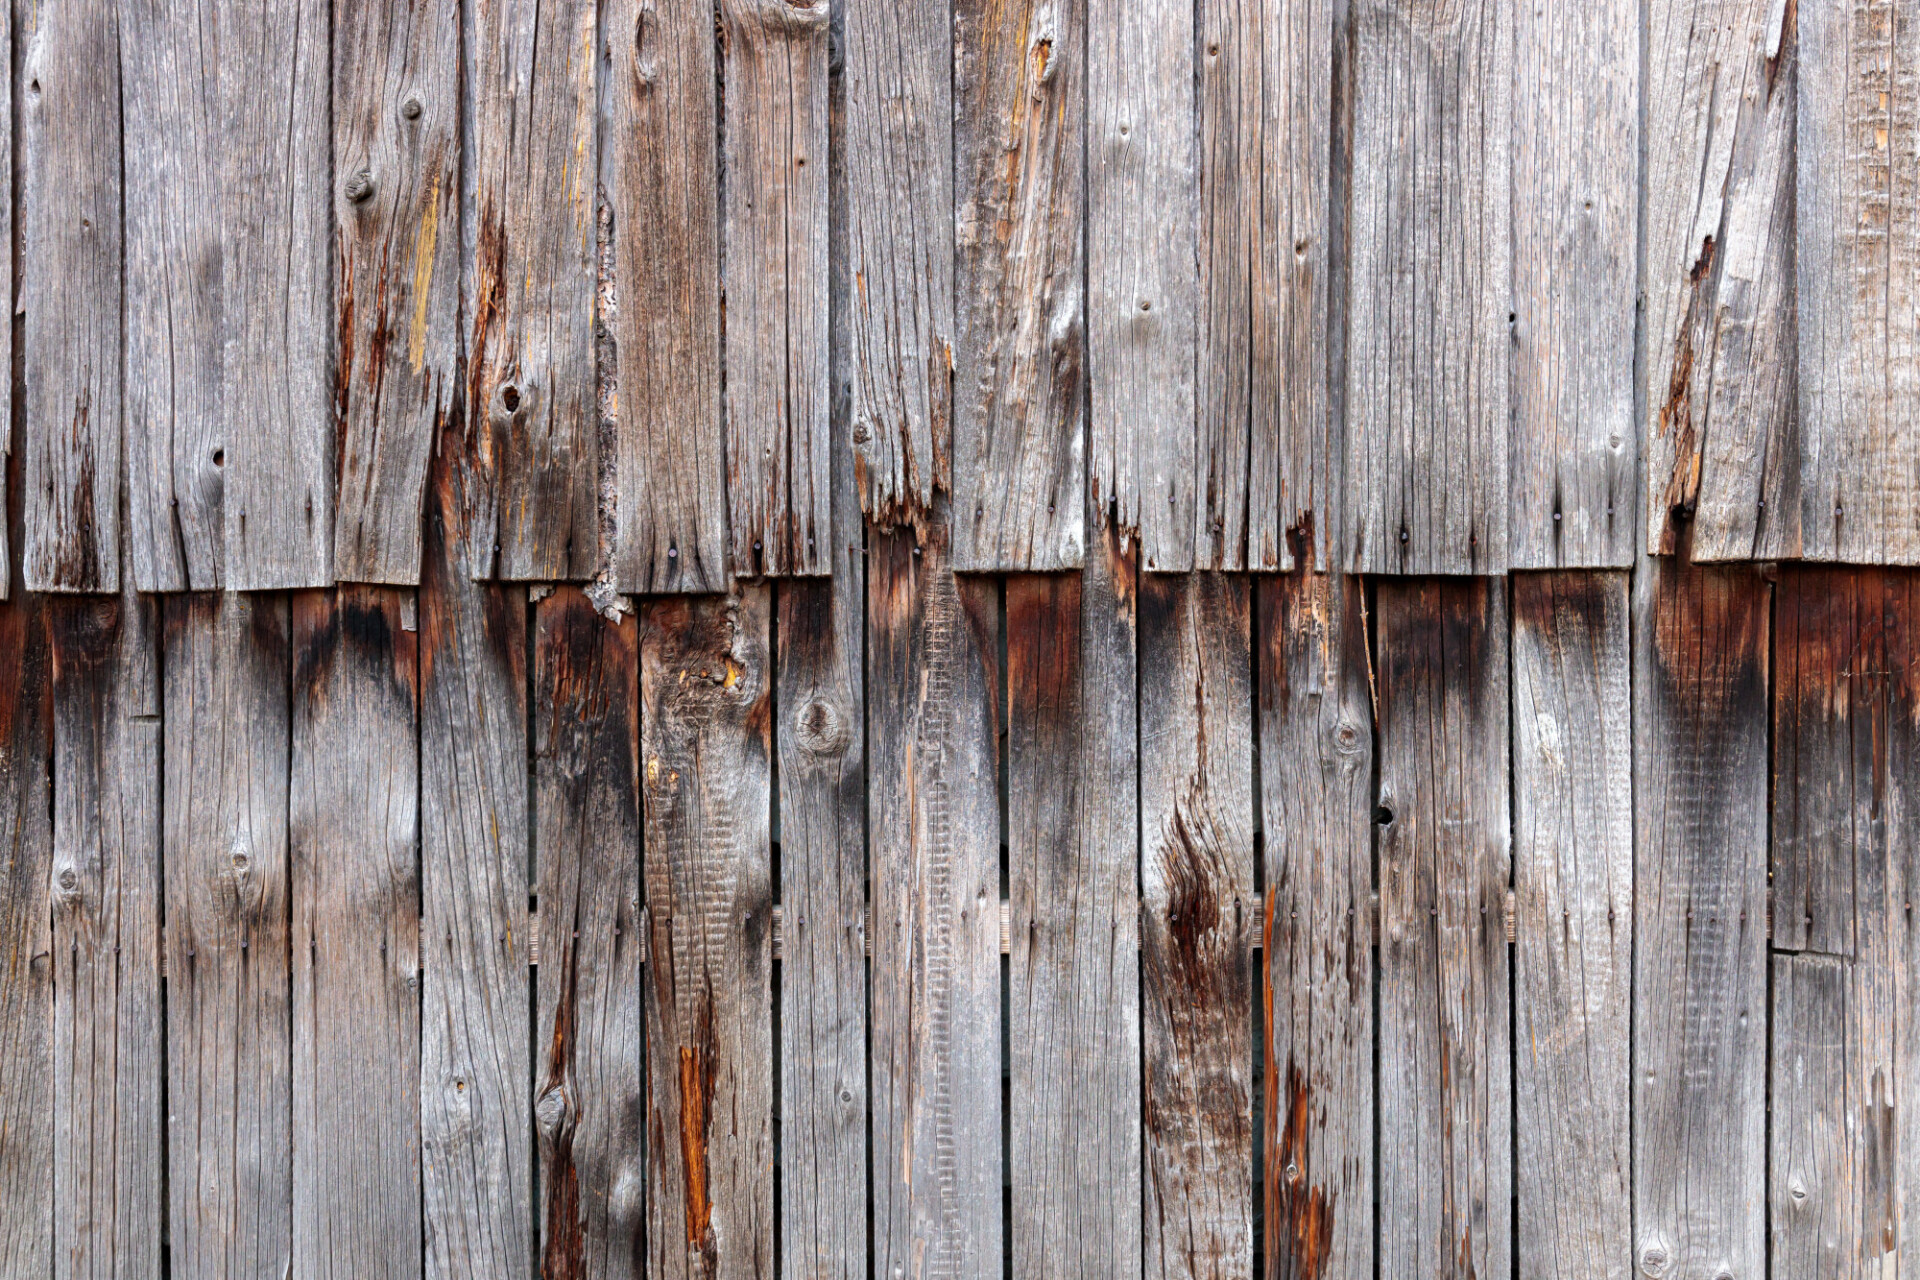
(707, 783)
(1316, 786)
(1074, 987)
(70, 292)
(933, 848)
(1576, 155)
(229, 1028)
(779, 473)
(660, 173)
(588, 1099)
(1718, 209)
(1446, 1172)
(1700, 883)
(1019, 460)
(528, 292)
(1573, 909)
(1198, 919)
(396, 208)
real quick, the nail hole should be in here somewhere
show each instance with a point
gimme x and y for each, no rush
(219, 457)
(1382, 816)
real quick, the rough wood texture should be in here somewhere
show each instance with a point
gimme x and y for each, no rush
(1429, 346)
(229, 1037)
(1265, 460)
(528, 291)
(779, 474)
(588, 1101)
(1142, 285)
(1700, 884)
(1316, 785)
(661, 177)
(1576, 176)
(1074, 986)
(1722, 443)
(1573, 907)
(707, 780)
(1446, 1173)
(932, 726)
(1198, 917)
(1019, 457)
(396, 208)
(70, 292)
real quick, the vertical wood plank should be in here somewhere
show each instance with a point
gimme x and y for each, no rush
(229, 1028)
(1721, 436)
(932, 727)
(1817, 617)
(1198, 916)
(70, 292)
(661, 177)
(1445, 1068)
(1576, 156)
(1823, 1221)
(1141, 276)
(707, 783)
(1316, 785)
(396, 207)
(1020, 367)
(1074, 986)
(1700, 882)
(1573, 908)
(588, 1099)
(528, 288)
(105, 890)
(779, 471)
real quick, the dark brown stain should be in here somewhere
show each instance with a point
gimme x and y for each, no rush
(1678, 418)
(565, 1254)
(1300, 1212)
(76, 565)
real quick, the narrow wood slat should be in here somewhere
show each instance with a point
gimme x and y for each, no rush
(1197, 924)
(1576, 154)
(396, 209)
(1700, 882)
(1019, 457)
(70, 292)
(588, 1100)
(528, 288)
(8, 481)
(229, 993)
(1316, 787)
(705, 690)
(661, 177)
(1722, 462)
(934, 860)
(1074, 985)
(1446, 1172)
(779, 473)
(1573, 909)
(1141, 277)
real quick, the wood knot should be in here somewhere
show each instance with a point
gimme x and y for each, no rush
(410, 108)
(360, 186)
(821, 728)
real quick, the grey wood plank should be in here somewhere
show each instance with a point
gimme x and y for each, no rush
(1700, 883)
(779, 470)
(9, 483)
(900, 234)
(1316, 787)
(396, 204)
(668, 523)
(229, 993)
(1576, 156)
(1821, 1216)
(588, 1099)
(1573, 914)
(934, 861)
(707, 782)
(528, 289)
(70, 291)
(1720, 430)
(1432, 282)
(1074, 984)
(1198, 918)
(1142, 276)
(1019, 452)
(1445, 1070)
(105, 896)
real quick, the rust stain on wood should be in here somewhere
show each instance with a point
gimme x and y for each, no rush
(696, 1101)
